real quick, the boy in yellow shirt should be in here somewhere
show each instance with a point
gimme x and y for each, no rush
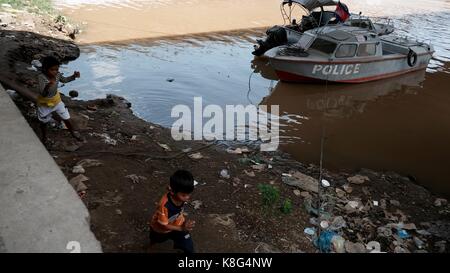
(49, 100)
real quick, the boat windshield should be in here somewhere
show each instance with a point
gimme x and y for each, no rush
(323, 45)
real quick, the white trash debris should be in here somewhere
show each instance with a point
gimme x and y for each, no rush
(78, 169)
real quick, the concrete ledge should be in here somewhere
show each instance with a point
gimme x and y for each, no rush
(39, 210)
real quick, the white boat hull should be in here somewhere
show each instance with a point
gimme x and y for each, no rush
(297, 69)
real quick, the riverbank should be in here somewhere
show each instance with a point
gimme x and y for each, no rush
(38, 17)
(262, 202)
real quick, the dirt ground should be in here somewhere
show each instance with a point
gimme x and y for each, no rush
(229, 212)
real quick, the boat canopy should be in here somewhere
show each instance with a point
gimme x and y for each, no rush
(311, 4)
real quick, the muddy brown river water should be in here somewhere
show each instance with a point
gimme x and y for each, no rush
(400, 124)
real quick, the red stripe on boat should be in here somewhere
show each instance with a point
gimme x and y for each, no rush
(290, 77)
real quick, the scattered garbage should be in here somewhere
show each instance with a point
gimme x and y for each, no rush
(196, 204)
(338, 223)
(225, 174)
(13, 94)
(351, 247)
(36, 63)
(394, 203)
(439, 202)
(250, 173)
(323, 243)
(358, 179)
(165, 147)
(302, 181)
(106, 138)
(196, 156)
(403, 234)
(170, 79)
(238, 151)
(325, 183)
(419, 243)
(78, 169)
(373, 247)
(324, 224)
(259, 167)
(87, 163)
(338, 243)
(310, 231)
(136, 179)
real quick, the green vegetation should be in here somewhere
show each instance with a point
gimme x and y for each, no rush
(37, 6)
(286, 208)
(270, 196)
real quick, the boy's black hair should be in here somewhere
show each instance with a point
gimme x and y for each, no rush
(48, 62)
(182, 181)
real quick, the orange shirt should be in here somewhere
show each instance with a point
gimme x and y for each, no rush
(167, 213)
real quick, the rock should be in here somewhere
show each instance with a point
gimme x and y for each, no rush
(347, 188)
(373, 247)
(196, 204)
(297, 192)
(236, 151)
(395, 203)
(305, 195)
(302, 181)
(340, 193)
(440, 202)
(225, 174)
(358, 179)
(266, 248)
(71, 147)
(77, 182)
(92, 107)
(249, 173)
(354, 247)
(118, 212)
(87, 163)
(78, 169)
(73, 93)
(383, 204)
(410, 226)
(196, 156)
(136, 178)
(6, 6)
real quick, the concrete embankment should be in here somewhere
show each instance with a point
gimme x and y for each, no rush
(39, 210)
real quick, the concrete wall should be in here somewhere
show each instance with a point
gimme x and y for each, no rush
(39, 210)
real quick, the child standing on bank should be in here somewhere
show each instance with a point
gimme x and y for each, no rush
(49, 100)
(168, 222)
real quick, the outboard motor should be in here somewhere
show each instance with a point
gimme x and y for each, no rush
(276, 36)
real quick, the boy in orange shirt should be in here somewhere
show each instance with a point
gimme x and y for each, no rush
(168, 222)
